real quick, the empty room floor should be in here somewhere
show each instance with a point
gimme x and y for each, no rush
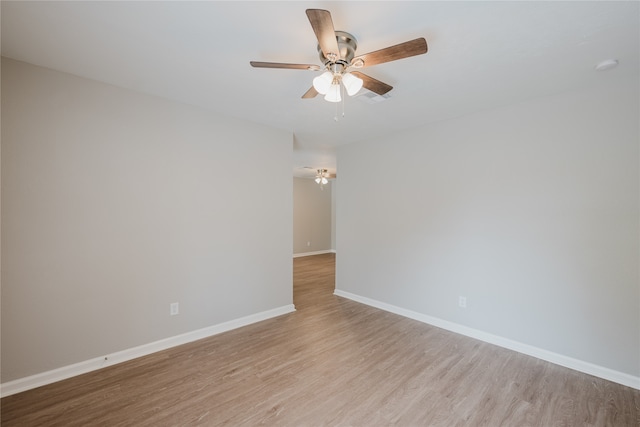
(333, 362)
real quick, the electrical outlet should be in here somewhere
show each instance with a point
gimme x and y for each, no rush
(308, 243)
(174, 308)
(462, 302)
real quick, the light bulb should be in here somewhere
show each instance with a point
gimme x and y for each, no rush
(333, 95)
(324, 180)
(322, 83)
(352, 83)
(318, 180)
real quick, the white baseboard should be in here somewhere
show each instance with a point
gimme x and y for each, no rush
(558, 359)
(328, 251)
(44, 378)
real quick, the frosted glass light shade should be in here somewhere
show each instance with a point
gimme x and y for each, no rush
(352, 83)
(333, 94)
(322, 83)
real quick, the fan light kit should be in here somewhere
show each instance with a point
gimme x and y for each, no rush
(328, 84)
(337, 53)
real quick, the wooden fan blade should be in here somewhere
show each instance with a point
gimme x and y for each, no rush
(393, 53)
(259, 64)
(311, 93)
(372, 84)
(325, 33)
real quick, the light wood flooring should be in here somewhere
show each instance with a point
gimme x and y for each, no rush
(333, 362)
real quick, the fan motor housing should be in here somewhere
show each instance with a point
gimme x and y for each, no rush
(347, 46)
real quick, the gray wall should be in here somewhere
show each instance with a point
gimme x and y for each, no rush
(116, 204)
(530, 211)
(312, 218)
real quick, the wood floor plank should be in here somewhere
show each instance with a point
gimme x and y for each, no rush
(333, 362)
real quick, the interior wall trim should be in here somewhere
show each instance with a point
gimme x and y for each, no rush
(558, 359)
(328, 251)
(48, 377)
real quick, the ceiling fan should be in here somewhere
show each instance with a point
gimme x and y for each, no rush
(337, 51)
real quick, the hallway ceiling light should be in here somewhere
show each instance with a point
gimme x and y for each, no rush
(607, 64)
(321, 177)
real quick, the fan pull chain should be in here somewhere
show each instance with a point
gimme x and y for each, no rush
(343, 98)
(335, 117)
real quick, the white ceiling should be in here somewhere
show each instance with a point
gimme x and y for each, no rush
(481, 55)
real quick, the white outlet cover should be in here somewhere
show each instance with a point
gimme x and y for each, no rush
(174, 308)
